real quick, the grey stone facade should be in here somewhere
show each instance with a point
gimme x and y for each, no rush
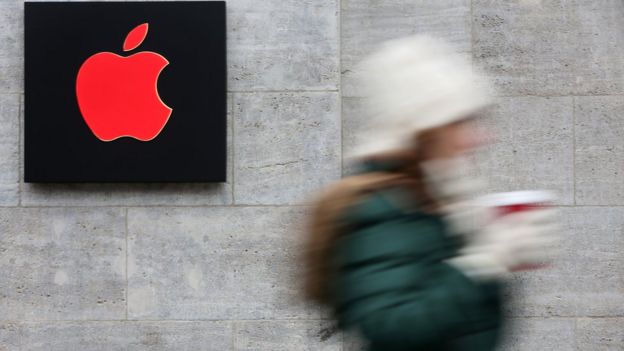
(214, 267)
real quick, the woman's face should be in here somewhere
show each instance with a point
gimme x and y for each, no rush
(454, 139)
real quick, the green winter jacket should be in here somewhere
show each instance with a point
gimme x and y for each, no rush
(392, 286)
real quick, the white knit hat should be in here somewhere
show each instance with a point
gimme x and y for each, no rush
(413, 84)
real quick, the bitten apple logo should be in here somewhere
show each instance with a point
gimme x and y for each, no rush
(118, 95)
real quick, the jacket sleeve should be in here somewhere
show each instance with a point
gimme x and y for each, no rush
(392, 286)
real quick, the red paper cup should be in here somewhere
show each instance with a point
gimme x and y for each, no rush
(516, 201)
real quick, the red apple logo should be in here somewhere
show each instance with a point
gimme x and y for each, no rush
(118, 95)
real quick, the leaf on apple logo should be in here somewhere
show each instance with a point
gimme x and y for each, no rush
(135, 37)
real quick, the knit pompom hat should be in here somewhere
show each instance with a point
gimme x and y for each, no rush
(413, 84)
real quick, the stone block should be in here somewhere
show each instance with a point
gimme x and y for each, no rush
(353, 127)
(600, 334)
(533, 146)
(116, 336)
(598, 246)
(62, 264)
(586, 277)
(287, 335)
(367, 23)
(11, 47)
(550, 47)
(531, 334)
(9, 147)
(549, 292)
(599, 130)
(542, 293)
(283, 45)
(216, 263)
(287, 146)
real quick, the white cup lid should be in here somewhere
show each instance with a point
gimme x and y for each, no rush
(516, 198)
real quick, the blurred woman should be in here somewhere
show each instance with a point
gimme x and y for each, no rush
(399, 251)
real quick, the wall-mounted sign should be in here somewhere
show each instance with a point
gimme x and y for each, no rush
(125, 92)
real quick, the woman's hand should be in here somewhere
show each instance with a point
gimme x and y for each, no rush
(516, 241)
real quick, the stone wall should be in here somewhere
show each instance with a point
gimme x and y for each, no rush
(212, 266)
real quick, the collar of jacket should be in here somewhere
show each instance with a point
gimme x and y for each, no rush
(397, 197)
(378, 165)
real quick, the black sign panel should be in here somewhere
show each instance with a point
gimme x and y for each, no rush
(125, 92)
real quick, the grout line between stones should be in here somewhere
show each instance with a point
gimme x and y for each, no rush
(551, 317)
(574, 150)
(233, 143)
(282, 91)
(472, 35)
(615, 317)
(575, 331)
(280, 320)
(234, 325)
(520, 95)
(340, 108)
(221, 206)
(20, 150)
(575, 266)
(340, 88)
(285, 320)
(556, 95)
(157, 206)
(126, 229)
